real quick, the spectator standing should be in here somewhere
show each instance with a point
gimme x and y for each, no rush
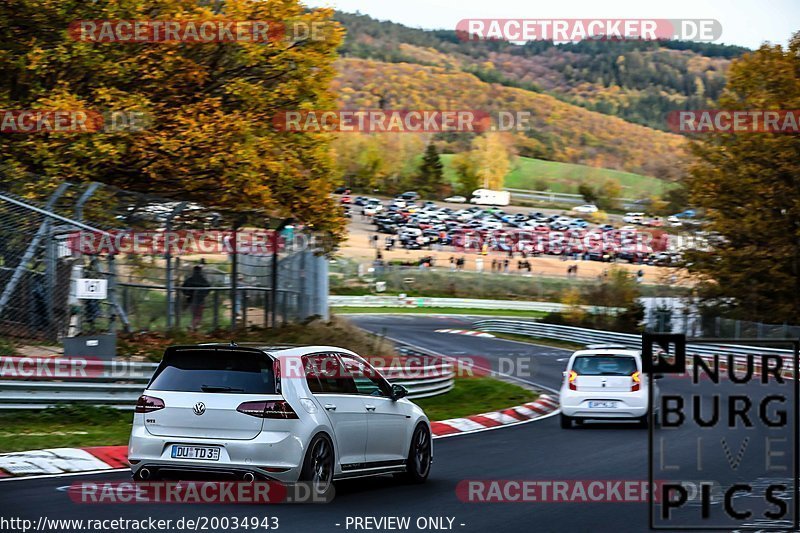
(195, 290)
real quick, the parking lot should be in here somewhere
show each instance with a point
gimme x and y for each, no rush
(511, 239)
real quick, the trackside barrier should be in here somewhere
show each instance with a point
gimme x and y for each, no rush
(111, 388)
(457, 303)
(594, 336)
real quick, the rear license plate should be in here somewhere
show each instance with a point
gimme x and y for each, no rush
(602, 405)
(206, 453)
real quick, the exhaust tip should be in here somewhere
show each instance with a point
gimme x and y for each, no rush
(249, 477)
(144, 473)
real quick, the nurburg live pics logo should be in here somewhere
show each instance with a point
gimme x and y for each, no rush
(750, 398)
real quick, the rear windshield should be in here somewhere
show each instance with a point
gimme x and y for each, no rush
(604, 365)
(215, 371)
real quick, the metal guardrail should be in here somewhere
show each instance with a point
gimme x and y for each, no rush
(106, 384)
(593, 336)
(564, 198)
(459, 303)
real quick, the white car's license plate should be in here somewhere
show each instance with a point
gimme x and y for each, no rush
(206, 453)
(602, 405)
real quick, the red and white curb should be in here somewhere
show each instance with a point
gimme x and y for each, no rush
(543, 406)
(468, 332)
(66, 461)
(59, 461)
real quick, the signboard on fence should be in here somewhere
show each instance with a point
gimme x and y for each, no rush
(91, 289)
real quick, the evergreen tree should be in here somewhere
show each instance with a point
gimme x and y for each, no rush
(429, 180)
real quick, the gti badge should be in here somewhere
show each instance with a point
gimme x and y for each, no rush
(199, 408)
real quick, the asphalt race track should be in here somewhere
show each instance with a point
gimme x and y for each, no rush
(539, 450)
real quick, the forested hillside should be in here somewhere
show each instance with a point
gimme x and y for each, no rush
(638, 81)
(559, 131)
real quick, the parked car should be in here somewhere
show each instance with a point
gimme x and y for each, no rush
(409, 196)
(586, 209)
(314, 414)
(372, 208)
(633, 218)
(455, 199)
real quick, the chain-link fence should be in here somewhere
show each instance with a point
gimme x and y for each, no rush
(157, 264)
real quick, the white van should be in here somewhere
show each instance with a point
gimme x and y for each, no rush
(490, 197)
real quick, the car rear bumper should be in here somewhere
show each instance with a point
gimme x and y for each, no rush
(628, 405)
(274, 455)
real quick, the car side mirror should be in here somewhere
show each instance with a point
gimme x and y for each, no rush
(398, 391)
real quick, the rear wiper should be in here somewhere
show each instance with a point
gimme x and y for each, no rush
(217, 388)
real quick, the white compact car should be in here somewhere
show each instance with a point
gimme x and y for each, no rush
(605, 383)
(315, 414)
(587, 209)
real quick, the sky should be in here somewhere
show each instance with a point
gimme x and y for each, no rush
(744, 22)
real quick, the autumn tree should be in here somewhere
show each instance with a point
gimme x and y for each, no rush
(210, 136)
(466, 173)
(749, 186)
(490, 154)
(382, 161)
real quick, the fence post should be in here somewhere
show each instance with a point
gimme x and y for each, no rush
(234, 276)
(302, 306)
(168, 256)
(176, 302)
(50, 282)
(215, 321)
(244, 307)
(274, 279)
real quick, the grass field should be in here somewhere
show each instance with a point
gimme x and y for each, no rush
(72, 426)
(530, 173)
(440, 310)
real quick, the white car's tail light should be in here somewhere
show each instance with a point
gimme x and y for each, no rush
(148, 404)
(571, 380)
(268, 409)
(637, 380)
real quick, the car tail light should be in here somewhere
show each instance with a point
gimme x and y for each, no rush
(571, 380)
(148, 404)
(637, 380)
(268, 409)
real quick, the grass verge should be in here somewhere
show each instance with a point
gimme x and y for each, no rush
(440, 310)
(74, 426)
(472, 396)
(67, 426)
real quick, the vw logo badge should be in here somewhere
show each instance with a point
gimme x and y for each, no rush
(199, 408)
